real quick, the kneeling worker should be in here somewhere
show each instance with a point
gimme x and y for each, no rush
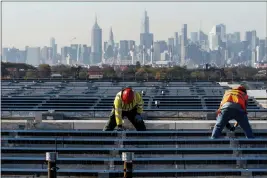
(130, 104)
(233, 106)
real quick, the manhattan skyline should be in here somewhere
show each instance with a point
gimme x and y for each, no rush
(33, 24)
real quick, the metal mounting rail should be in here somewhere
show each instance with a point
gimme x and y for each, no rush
(118, 161)
(107, 109)
(143, 173)
(135, 150)
(142, 141)
(98, 133)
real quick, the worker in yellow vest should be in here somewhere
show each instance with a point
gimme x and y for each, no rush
(130, 104)
(233, 106)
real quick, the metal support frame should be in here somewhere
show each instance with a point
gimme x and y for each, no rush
(127, 157)
(51, 158)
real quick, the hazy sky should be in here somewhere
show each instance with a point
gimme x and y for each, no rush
(34, 23)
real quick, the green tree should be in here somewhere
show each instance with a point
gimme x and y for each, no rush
(4, 71)
(109, 72)
(137, 64)
(157, 77)
(63, 70)
(197, 75)
(31, 74)
(246, 72)
(83, 75)
(44, 71)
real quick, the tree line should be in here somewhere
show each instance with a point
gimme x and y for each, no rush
(133, 72)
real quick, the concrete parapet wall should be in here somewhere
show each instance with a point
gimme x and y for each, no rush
(99, 124)
(149, 114)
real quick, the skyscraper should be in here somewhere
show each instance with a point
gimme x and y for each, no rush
(33, 56)
(145, 24)
(111, 38)
(124, 48)
(176, 49)
(253, 39)
(146, 38)
(53, 45)
(183, 43)
(156, 51)
(96, 44)
(194, 37)
(44, 54)
(217, 37)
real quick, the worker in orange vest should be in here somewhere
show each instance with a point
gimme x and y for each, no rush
(233, 106)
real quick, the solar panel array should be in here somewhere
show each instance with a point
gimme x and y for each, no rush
(172, 153)
(100, 95)
(165, 153)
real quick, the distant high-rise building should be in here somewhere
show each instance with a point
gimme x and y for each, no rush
(74, 53)
(163, 46)
(145, 24)
(233, 37)
(124, 48)
(258, 53)
(194, 37)
(22, 56)
(53, 45)
(248, 36)
(106, 45)
(65, 52)
(183, 44)
(96, 44)
(44, 54)
(146, 38)
(4, 54)
(33, 56)
(157, 51)
(170, 44)
(11, 55)
(203, 39)
(251, 37)
(176, 44)
(176, 39)
(254, 40)
(237, 37)
(217, 37)
(85, 54)
(131, 44)
(253, 58)
(262, 45)
(111, 38)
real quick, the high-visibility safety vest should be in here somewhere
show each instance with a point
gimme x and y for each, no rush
(120, 106)
(235, 96)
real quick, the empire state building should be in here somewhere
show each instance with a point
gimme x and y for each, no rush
(96, 44)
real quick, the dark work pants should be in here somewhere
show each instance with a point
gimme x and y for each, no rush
(228, 114)
(138, 124)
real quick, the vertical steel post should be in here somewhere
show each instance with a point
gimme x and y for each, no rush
(51, 158)
(127, 157)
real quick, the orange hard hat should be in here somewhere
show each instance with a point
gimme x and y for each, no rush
(127, 95)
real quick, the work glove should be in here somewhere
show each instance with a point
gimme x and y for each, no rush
(119, 128)
(138, 118)
(232, 129)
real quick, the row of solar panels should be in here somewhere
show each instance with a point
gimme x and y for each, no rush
(23, 153)
(106, 91)
(140, 173)
(107, 103)
(111, 134)
(136, 141)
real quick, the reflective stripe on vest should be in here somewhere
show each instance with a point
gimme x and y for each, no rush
(235, 96)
